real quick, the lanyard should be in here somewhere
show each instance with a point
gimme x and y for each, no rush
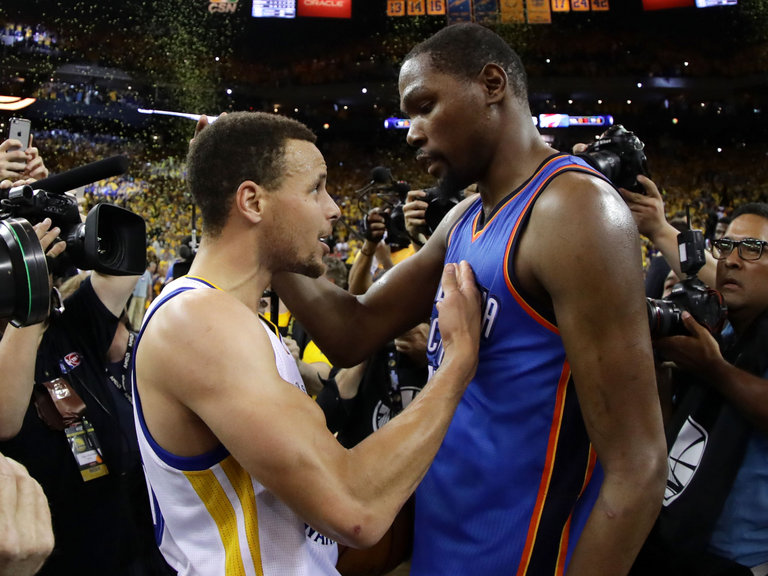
(124, 369)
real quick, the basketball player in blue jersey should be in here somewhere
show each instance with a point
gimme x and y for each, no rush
(244, 475)
(554, 461)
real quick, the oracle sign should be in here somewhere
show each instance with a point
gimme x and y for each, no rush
(324, 8)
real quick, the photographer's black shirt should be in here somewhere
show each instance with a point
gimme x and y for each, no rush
(94, 522)
(382, 394)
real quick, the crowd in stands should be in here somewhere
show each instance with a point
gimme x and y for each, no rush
(87, 93)
(710, 184)
(25, 37)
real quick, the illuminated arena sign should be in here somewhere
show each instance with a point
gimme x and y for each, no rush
(324, 8)
(222, 6)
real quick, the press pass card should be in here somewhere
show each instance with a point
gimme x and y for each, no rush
(86, 450)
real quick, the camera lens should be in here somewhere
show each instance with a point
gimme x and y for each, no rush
(664, 318)
(24, 289)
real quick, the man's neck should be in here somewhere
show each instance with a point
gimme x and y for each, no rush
(741, 323)
(233, 270)
(508, 176)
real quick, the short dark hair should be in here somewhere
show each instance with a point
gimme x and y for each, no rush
(238, 146)
(463, 49)
(755, 208)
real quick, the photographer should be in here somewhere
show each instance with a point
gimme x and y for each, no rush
(713, 518)
(17, 351)
(414, 212)
(77, 437)
(86, 457)
(26, 538)
(380, 387)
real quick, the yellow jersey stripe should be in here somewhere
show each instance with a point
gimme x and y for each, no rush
(241, 481)
(212, 494)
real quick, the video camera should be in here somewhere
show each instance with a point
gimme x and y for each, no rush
(392, 193)
(703, 303)
(618, 155)
(112, 240)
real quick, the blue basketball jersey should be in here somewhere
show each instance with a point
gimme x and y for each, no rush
(516, 477)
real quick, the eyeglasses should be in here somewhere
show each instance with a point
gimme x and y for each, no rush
(749, 248)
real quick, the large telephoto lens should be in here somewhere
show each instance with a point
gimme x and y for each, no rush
(24, 288)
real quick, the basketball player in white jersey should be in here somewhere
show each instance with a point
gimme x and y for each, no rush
(244, 475)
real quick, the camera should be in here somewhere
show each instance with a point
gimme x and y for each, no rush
(112, 240)
(393, 194)
(618, 155)
(24, 288)
(703, 303)
(385, 192)
(438, 205)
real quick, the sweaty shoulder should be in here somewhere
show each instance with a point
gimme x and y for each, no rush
(585, 200)
(195, 367)
(579, 226)
(199, 329)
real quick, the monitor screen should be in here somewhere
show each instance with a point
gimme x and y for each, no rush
(274, 9)
(709, 3)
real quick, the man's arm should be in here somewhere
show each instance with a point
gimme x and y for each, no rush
(648, 212)
(581, 247)
(18, 352)
(26, 534)
(113, 291)
(700, 354)
(350, 328)
(221, 384)
(312, 373)
(414, 214)
(360, 278)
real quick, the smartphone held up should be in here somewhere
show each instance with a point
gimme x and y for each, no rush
(20, 130)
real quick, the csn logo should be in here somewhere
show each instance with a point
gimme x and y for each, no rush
(222, 6)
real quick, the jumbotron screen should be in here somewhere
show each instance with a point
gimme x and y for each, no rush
(274, 9)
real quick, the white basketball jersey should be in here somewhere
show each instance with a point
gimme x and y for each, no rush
(211, 517)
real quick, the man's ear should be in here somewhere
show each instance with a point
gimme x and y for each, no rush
(250, 200)
(495, 81)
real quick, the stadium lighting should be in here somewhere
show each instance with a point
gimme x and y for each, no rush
(15, 102)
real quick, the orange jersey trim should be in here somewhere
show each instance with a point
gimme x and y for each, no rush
(546, 477)
(507, 254)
